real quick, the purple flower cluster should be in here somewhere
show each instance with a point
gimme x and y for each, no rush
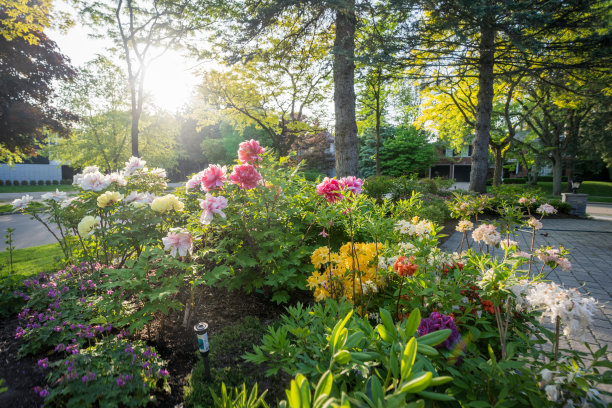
(123, 379)
(438, 321)
(41, 391)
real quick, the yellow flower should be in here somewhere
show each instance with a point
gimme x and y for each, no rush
(167, 203)
(320, 256)
(108, 198)
(87, 225)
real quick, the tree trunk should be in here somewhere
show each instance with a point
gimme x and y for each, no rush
(378, 171)
(499, 165)
(484, 107)
(345, 138)
(135, 114)
(557, 172)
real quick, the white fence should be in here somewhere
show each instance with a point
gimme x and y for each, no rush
(28, 172)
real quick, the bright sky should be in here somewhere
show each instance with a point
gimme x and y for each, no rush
(170, 79)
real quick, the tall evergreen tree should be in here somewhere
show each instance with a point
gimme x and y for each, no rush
(451, 38)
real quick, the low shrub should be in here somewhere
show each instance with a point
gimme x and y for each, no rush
(16, 182)
(515, 181)
(24, 182)
(55, 182)
(48, 182)
(32, 182)
(41, 182)
(66, 182)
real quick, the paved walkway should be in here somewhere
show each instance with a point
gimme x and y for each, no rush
(590, 245)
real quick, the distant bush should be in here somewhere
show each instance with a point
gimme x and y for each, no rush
(48, 182)
(32, 182)
(24, 182)
(41, 182)
(55, 182)
(1, 182)
(518, 180)
(66, 182)
(313, 175)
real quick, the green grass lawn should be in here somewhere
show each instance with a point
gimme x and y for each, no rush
(30, 261)
(36, 188)
(6, 208)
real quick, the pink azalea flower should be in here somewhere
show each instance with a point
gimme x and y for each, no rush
(330, 189)
(178, 240)
(210, 206)
(214, 177)
(249, 152)
(351, 184)
(246, 176)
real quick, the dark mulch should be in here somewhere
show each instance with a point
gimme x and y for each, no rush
(20, 376)
(217, 307)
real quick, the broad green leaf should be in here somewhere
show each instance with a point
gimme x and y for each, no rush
(408, 359)
(412, 324)
(435, 338)
(418, 384)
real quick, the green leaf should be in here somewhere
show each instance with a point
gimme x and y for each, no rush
(426, 350)
(378, 394)
(435, 338)
(408, 359)
(335, 336)
(387, 320)
(436, 396)
(441, 380)
(324, 385)
(384, 334)
(412, 324)
(342, 357)
(418, 384)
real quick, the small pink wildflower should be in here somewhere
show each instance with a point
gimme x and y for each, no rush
(178, 240)
(210, 206)
(330, 189)
(250, 151)
(214, 177)
(246, 176)
(323, 233)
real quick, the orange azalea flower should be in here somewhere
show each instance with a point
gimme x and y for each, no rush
(404, 268)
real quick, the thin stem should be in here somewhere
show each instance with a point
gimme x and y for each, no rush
(399, 295)
(531, 250)
(462, 239)
(557, 327)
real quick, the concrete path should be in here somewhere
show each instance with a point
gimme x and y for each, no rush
(28, 232)
(590, 245)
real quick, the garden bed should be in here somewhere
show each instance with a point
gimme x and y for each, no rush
(218, 307)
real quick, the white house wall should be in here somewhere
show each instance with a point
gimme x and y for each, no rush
(30, 172)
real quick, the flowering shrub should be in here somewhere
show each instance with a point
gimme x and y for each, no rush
(113, 372)
(349, 273)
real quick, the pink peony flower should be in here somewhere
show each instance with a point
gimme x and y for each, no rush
(194, 181)
(178, 240)
(214, 177)
(330, 189)
(249, 152)
(246, 176)
(210, 206)
(351, 184)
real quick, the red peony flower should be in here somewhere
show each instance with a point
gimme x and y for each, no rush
(330, 189)
(250, 151)
(246, 176)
